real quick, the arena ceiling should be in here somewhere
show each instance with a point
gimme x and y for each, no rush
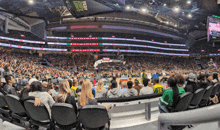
(184, 15)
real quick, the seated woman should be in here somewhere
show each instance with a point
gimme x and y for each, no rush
(36, 91)
(50, 90)
(86, 97)
(170, 96)
(101, 91)
(65, 94)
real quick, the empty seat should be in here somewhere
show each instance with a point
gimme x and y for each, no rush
(3, 106)
(94, 117)
(14, 104)
(183, 102)
(38, 115)
(64, 115)
(206, 96)
(197, 97)
(214, 90)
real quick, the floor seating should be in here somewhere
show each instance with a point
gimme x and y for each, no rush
(3, 109)
(183, 102)
(197, 97)
(90, 116)
(214, 90)
(64, 116)
(17, 109)
(206, 96)
(39, 115)
(94, 117)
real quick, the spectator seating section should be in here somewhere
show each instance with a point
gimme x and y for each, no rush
(39, 116)
(90, 116)
(197, 97)
(64, 116)
(3, 109)
(94, 117)
(17, 109)
(206, 96)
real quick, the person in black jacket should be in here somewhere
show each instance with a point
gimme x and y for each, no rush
(202, 82)
(65, 94)
(8, 89)
(191, 85)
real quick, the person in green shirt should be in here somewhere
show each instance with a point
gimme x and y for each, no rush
(170, 96)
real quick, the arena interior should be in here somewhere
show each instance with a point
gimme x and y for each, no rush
(109, 64)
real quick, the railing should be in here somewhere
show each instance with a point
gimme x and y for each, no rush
(197, 116)
(125, 101)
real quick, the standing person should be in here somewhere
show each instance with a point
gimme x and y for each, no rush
(146, 89)
(65, 94)
(137, 86)
(101, 91)
(94, 82)
(144, 75)
(158, 88)
(130, 91)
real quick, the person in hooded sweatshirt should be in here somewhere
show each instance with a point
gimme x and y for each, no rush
(114, 92)
(130, 91)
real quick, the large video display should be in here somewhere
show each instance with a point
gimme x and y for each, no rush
(213, 29)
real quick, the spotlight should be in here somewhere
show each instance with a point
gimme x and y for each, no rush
(176, 9)
(175, 25)
(127, 7)
(144, 9)
(164, 5)
(188, 2)
(31, 2)
(189, 15)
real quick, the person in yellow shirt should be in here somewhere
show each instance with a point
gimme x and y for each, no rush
(158, 88)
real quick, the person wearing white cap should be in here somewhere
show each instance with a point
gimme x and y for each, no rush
(191, 85)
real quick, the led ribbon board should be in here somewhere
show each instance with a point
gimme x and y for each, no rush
(85, 50)
(110, 38)
(21, 40)
(31, 48)
(115, 44)
(139, 51)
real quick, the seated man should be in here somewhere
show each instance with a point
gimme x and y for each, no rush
(146, 89)
(130, 91)
(158, 88)
(8, 89)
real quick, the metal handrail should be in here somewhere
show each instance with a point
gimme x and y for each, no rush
(196, 116)
(136, 100)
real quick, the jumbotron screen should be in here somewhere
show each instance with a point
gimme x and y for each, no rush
(213, 29)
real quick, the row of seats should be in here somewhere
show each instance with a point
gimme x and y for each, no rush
(62, 114)
(200, 98)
